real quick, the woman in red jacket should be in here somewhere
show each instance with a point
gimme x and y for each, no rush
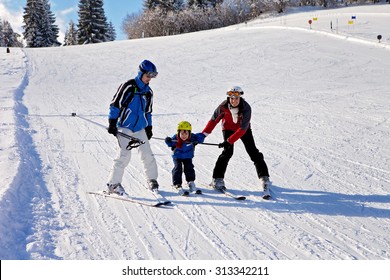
(235, 114)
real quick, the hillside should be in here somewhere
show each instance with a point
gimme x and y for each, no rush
(320, 102)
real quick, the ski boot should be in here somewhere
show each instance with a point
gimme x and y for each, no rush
(218, 184)
(193, 189)
(153, 185)
(116, 188)
(180, 190)
(265, 184)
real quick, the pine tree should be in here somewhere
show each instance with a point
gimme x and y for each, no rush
(111, 33)
(151, 4)
(92, 26)
(50, 28)
(8, 37)
(165, 5)
(39, 28)
(198, 3)
(2, 43)
(204, 3)
(71, 35)
(32, 18)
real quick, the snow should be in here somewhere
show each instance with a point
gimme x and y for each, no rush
(320, 102)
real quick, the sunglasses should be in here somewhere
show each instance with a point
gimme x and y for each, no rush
(151, 74)
(233, 94)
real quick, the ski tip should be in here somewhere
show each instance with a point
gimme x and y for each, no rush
(159, 204)
(267, 197)
(241, 198)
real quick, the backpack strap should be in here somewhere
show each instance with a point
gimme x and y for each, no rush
(129, 99)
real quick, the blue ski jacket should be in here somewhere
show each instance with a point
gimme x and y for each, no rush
(185, 149)
(132, 105)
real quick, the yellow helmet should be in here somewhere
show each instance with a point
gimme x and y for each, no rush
(184, 125)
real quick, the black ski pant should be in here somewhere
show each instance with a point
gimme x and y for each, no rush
(177, 170)
(250, 147)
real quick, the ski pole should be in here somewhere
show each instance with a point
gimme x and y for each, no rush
(134, 141)
(209, 144)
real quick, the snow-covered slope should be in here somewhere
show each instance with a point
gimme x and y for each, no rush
(320, 102)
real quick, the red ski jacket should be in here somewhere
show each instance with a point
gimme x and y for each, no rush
(223, 113)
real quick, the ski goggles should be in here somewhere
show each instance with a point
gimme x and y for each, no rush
(234, 94)
(151, 74)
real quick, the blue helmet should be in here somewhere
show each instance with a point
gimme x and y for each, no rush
(148, 67)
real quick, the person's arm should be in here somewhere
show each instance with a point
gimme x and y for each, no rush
(215, 119)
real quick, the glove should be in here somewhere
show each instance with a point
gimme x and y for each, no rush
(194, 143)
(224, 145)
(112, 129)
(168, 140)
(149, 132)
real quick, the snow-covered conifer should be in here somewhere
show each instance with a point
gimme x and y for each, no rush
(111, 33)
(50, 28)
(71, 34)
(39, 24)
(92, 25)
(1, 35)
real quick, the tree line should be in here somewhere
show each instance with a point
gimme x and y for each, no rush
(158, 18)
(172, 17)
(40, 29)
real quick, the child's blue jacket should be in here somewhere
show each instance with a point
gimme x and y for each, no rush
(183, 150)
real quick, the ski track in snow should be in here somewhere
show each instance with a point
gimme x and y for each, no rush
(326, 151)
(27, 212)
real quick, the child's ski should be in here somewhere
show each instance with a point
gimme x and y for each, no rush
(181, 191)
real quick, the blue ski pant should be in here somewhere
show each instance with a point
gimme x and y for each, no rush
(181, 165)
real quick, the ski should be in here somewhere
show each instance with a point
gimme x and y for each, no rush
(128, 199)
(236, 197)
(266, 196)
(229, 194)
(160, 197)
(181, 191)
(198, 191)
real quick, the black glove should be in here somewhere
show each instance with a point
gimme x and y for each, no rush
(224, 145)
(168, 140)
(149, 132)
(194, 143)
(112, 129)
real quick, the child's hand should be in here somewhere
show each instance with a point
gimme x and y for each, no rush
(168, 140)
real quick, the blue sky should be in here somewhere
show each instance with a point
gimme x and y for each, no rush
(66, 10)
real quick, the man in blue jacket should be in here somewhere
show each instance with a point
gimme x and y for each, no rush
(131, 114)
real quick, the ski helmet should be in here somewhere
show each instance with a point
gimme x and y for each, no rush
(149, 68)
(184, 125)
(235, 91)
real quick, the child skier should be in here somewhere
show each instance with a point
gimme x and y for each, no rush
(183, 146)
